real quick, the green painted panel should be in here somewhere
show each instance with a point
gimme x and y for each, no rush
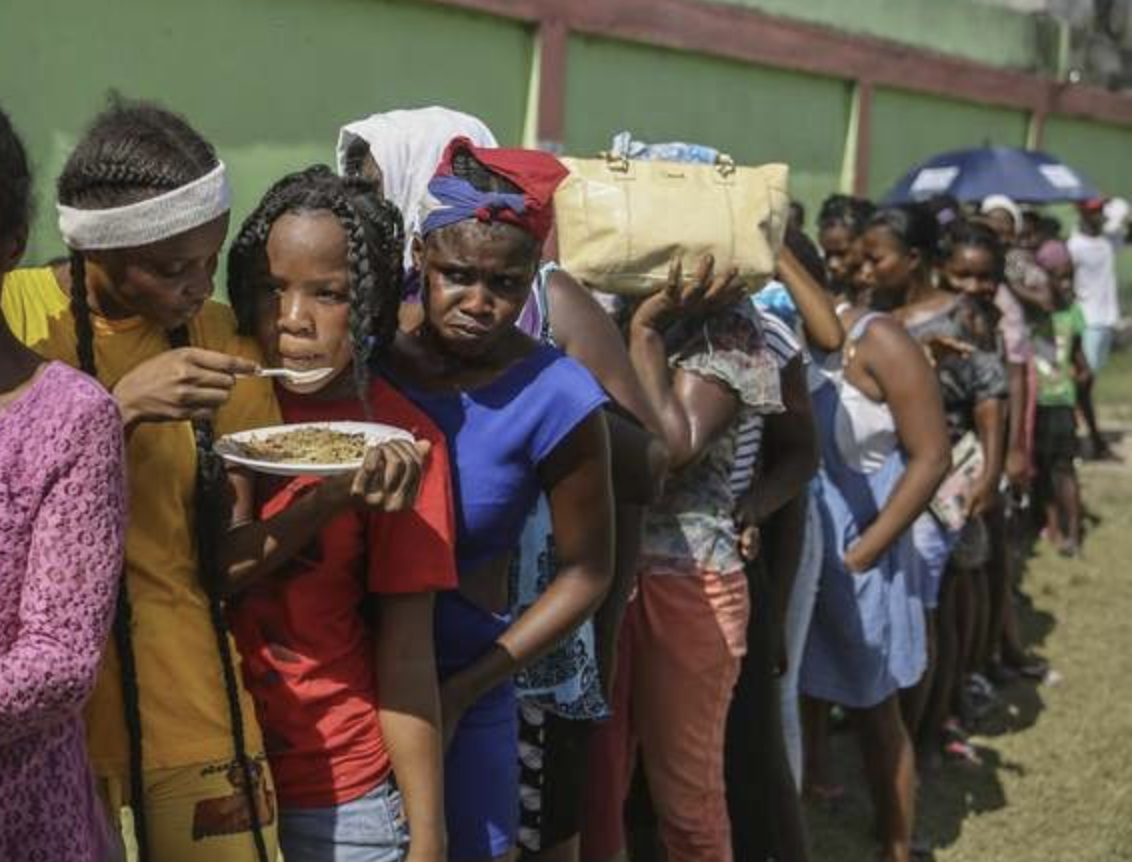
(908, 128)
(984, 33)
(1101, 153)
(755, 114)
(269, 82)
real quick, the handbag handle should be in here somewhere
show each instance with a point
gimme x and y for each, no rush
(620, 164)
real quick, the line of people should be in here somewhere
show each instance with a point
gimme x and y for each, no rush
(652, 548)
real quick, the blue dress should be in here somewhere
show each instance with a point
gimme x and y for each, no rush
(866, 639)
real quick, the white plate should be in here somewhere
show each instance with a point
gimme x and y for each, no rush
(374, 433)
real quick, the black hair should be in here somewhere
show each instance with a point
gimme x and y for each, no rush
(851, 213)
(913, 226)
(374, 232)
(965, 233)
(480, 177)
(356, 152)
(798, 208)
(945, 208)
(807, 255)
(15, 181)
(131, 152)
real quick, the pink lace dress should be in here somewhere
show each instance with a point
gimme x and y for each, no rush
(62, 520)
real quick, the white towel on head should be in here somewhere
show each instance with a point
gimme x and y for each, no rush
(407, 145)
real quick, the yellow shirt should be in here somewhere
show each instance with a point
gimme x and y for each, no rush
(185, 716)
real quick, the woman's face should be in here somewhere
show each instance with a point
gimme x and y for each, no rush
(842, 259)
(477, 278)
(887, 266)
(971, 270)
(165, 282)
(302, 316)
(1003, 224)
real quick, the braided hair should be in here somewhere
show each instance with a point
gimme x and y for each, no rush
(134, 151)
(845, 211)
(374, 233)
(15, 182)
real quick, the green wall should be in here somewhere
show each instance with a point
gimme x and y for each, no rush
(755, 114)
(269, 82)
(907, 128)
(973, 31)
(1101, 153)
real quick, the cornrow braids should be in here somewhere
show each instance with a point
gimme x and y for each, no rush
(134, 151)
(374, 234)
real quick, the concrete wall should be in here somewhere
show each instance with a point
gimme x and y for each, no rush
(269, 82)
(987, 34)
(754, 114)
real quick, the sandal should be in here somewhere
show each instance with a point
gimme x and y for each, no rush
(962, 752)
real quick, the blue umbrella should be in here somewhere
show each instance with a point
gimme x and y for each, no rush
(971, 175)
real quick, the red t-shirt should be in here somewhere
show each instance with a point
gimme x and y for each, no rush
(303, 632)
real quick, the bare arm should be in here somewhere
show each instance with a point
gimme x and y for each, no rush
(405, 661)
(818, 312)
(898, 368)
(989, 416)
(1016, 466)
(584, 331)
(576, 477)
(389, 481)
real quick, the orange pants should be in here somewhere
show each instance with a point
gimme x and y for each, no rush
(682, 643)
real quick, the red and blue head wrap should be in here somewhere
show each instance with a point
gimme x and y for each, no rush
(451, 199)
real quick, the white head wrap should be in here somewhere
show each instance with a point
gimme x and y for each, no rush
(407, 146)
(169, 214)
(1003, 202)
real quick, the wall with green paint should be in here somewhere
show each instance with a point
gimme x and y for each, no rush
(1101, 153)
(907, 128)
(755, 114)
(269, 82)
(986, 34)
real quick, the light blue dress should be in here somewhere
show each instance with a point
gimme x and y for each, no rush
(866, 639)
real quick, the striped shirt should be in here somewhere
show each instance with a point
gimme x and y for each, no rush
(780, 339)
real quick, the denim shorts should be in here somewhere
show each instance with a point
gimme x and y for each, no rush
(371, 828)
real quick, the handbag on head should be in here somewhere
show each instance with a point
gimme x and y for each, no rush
(621, 222)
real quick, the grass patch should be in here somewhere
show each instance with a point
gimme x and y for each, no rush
(1113, 386)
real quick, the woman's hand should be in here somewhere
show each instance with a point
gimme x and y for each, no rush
(387, 481)
(1017, 468)
(983, 496)
(857, 559)
(178, 385)
(940, 347)
(705, 295)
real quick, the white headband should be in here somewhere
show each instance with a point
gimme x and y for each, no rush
(154, 219)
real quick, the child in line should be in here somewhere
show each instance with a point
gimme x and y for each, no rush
(1061, 366)
(337, 646)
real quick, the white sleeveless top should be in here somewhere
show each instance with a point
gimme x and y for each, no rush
(864, 430)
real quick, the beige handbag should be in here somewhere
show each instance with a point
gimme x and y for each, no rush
(621, 222)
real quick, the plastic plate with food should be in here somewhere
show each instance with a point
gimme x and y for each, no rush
(306, 449)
